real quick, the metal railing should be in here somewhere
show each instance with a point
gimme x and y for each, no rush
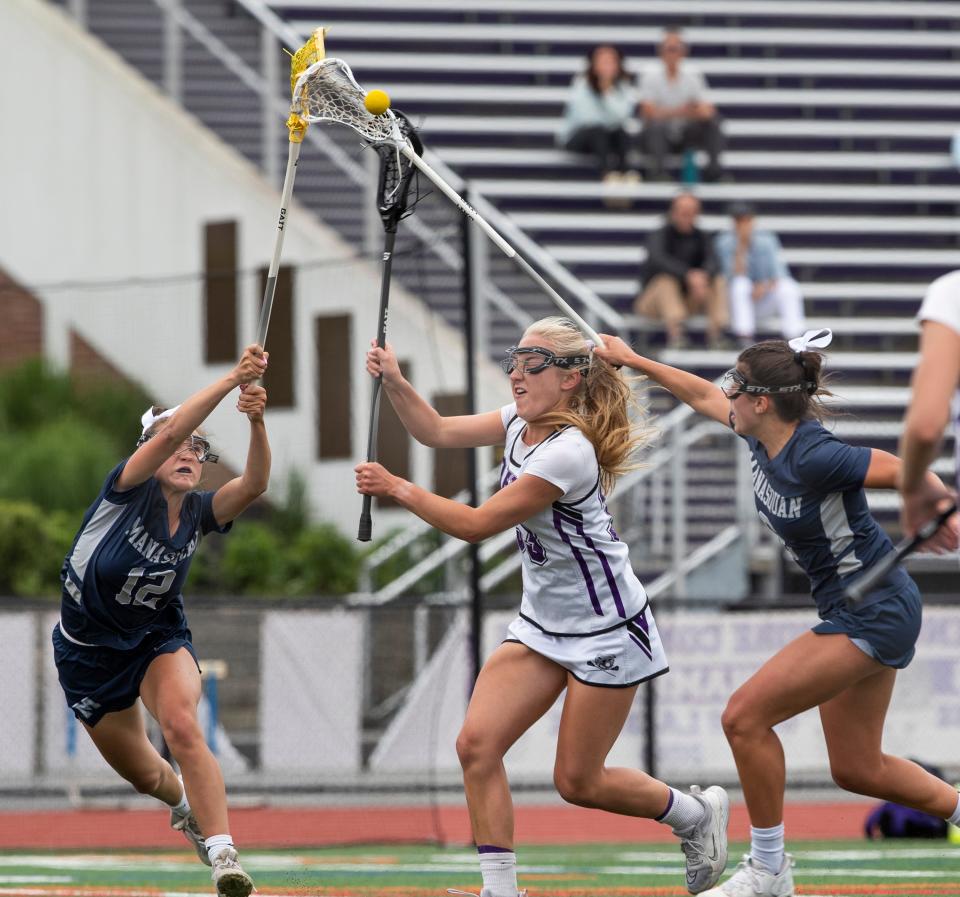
(653, 500)
(433, 266)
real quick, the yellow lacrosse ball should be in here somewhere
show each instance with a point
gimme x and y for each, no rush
(377, 102)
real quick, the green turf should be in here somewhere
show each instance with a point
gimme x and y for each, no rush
(902, 868)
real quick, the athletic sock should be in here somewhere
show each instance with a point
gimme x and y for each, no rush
(217, 844)
(683, 811)
(183, 807)
(955, 818)
(766, 847)
(498, 866)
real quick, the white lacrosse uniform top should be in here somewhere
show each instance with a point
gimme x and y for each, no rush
(577, 577)
(942, 304)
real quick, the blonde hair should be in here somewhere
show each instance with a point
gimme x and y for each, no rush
(600, 407)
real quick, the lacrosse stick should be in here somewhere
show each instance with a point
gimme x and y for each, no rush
(327, 91)
(856, 590)
(307, 55)
(395, 174)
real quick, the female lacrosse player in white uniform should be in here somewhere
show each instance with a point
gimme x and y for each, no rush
(808, 487)
(936, 381)
(122, 632)
(585, 625)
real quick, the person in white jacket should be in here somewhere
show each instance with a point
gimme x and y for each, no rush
(936, 381)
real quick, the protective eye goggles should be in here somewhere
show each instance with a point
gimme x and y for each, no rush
(534, 359)
(734, 383)
(196, 444)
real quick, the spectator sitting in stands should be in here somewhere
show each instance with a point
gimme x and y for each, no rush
(600, 114)
(681, 276)
(758, 279)
(677, 114)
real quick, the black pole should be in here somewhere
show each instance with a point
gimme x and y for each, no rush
(469, 301)
(365, 527)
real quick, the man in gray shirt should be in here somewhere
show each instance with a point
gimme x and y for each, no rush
(677, 112)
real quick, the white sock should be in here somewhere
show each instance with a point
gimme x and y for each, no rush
(955, 818)
(182, 808)
(683, 811)
(766, 847)
(498, 866)
(217, 844)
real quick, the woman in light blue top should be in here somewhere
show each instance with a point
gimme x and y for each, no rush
(599, 110)
(758, 280)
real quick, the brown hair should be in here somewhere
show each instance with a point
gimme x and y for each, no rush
(773, 363)
(600, 408)
(591, 75)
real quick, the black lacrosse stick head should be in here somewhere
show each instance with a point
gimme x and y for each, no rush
(396, 173)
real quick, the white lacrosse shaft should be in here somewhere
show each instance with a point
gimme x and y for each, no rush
(293, 154)
(499, 241)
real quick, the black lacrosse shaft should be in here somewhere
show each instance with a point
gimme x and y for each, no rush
(858, 589)
(365, 529)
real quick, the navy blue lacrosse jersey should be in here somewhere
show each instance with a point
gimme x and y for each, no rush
(811, 495)
(123, 577)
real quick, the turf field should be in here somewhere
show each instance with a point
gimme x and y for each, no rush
(902, 868)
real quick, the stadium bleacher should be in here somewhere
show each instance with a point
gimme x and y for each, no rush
(838, 116)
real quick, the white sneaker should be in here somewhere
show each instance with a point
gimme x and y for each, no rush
(191, 831)
(230, 879)
(705, 845)
(484, 893)
(754, 881)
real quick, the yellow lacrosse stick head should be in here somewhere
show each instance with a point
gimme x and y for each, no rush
(312, 51)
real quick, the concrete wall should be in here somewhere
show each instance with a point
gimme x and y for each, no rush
(103, 178)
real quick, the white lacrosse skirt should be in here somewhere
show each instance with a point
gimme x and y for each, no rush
(618, 658)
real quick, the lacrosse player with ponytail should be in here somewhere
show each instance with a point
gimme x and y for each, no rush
(122, 633)
(585, 625)
(809, 489)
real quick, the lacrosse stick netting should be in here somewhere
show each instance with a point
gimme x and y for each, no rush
(328, 92)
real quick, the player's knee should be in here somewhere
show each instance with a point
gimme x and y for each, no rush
(857, 777)
(181, 731)
(474, 750)
(575, 786)
(736, 719)
(145, 781)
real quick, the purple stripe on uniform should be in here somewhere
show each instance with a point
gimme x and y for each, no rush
(645, 648)
(639, 631)
(489, 848)
(606, 570)
(558, 525)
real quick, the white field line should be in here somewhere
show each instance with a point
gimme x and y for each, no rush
(880, 853)
(669, 868)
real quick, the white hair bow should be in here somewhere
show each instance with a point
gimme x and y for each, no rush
(816, 339)
(148, 419)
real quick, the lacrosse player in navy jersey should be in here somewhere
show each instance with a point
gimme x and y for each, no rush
(122, 632)
(585, 625)
(809, 489)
